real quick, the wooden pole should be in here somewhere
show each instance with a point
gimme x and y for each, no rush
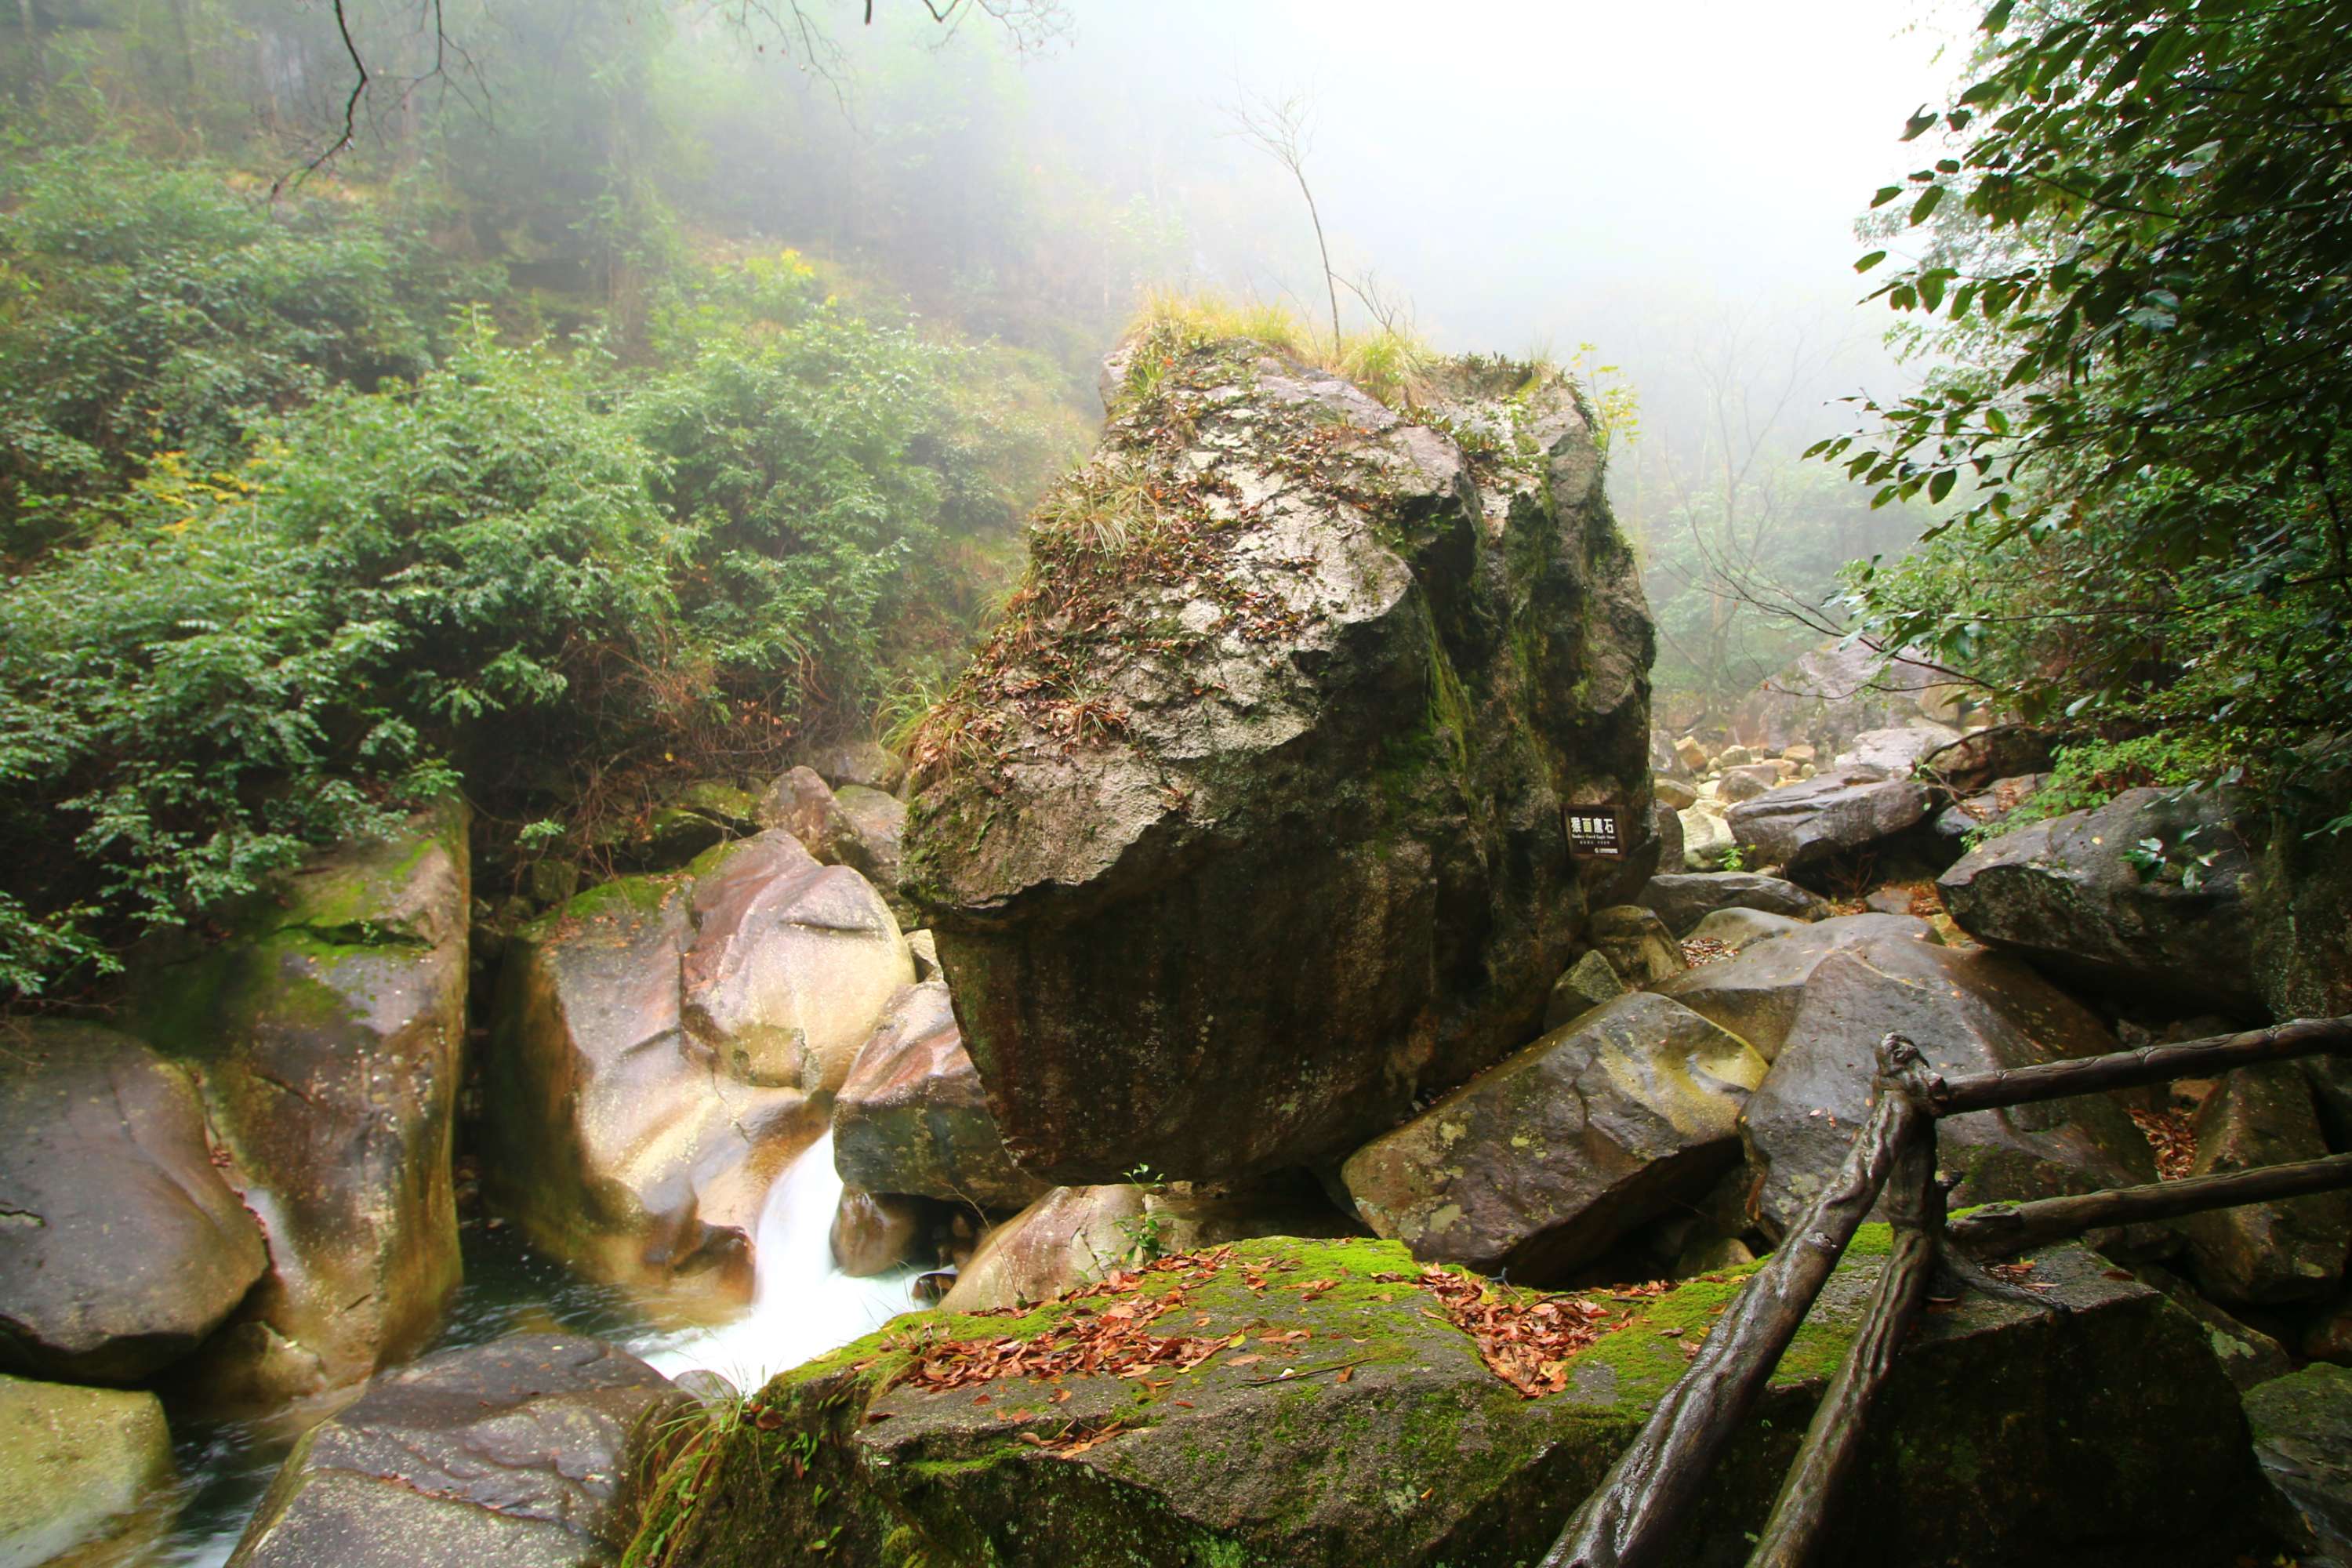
(1915, 1207)
(1997, 1229)
(2127, 1069)
(1627, 1521)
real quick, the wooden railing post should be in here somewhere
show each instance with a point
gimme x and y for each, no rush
(1914, 1211)
(1627, 1523)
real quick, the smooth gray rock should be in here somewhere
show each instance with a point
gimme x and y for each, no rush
(1739, 929)
(523, 1453)
(1756, 995)
(1683, 900)
(2266, 1253)
(1969, 1012)
(1848, 808)
(913, 1119)
(2067, 894)
(120, 1245)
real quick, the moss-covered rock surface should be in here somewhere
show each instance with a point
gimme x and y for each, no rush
(1287, 1401)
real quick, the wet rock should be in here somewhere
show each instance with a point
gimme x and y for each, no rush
(525, 1452)
(2300, 900)
(1070, 1236)
(860, 761)
(1683, 900)
(1745, 783)
(874, 1233)
(1898, 750)
(1976, 761)
(2302, 1428)
(1637, 944)
(2246, 1355)
(1540, 1165)
(1986, 808)
(1674, 793)
(856, 827)
(120, 1245)
(2264, 1254)
(76, 1466)
(325, 1034)
(1707, 840)
(1352, 739)
(1850, 808)
(656, 1049)
(1738, 929)
(1831, 694)
(1588, 982)
(1755, 995)
(1969, 1012)
(1666, 827)
(2069, 894)
(2094, 1459)
(912, 1117)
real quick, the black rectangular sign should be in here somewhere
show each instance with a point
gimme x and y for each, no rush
(1598, 831)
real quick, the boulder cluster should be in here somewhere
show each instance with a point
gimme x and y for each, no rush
(1239, 950)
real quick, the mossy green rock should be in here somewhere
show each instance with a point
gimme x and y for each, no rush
(2007, 1435)
(75, 1464)
(327, 1035)
(1267, 835)
(2302, 1434)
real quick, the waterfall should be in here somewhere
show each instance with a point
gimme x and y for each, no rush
(802, 1305)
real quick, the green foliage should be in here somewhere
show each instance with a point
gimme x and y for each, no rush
(2139, 257)
(529, 571)
(147, 307)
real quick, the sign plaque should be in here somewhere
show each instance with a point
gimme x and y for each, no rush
(1597, 831)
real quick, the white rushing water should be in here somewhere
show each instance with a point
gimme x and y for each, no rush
(802, 1304)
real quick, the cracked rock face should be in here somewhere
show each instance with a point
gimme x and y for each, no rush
(1969, 1012)
(120, 1245)
(326, 1036)
(1540, 1165)
(1257, 798)
(523, 1453)
(663, 1046)
(912, 1117)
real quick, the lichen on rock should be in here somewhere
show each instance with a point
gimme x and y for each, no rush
(1255, 797)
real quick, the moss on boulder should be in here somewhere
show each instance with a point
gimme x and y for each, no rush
(1351, 1422)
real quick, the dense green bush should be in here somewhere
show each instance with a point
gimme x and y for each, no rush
(532, 571)
(147, 307)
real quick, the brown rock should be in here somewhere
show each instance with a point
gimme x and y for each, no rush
(1637, 945)
(912, 1117)
(120, 1245)
(1540, 1165)
(2264, 1253)
(1847, 808)
(1755, 995)
(874, 1233)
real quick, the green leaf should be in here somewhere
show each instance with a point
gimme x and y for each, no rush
(1867, 262)
(1929, 199)
(1997, 17)
(1941, 485)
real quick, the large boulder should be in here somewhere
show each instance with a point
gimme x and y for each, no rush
(2302, 1426)
(2265, 1254)
(2301, 899)
(120, 1245)
(1847, 809)
(1637, 944)
(856, 827)
(1969, 1012)
(78, 1465)
(526, 1452)
(1707, 843)
(1345, 1419)
(1294, 676)
(1681, 899)
(1976, 813)
(1756, 995)
(2143, 897)
(912, 1117)
(660, 1048)
(1538, 1165)
(326, 1035)
(1834, 693)
(1900, 749)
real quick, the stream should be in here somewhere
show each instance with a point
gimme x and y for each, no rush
(802, 1306)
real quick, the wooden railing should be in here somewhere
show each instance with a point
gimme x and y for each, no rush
(1629, 1520)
